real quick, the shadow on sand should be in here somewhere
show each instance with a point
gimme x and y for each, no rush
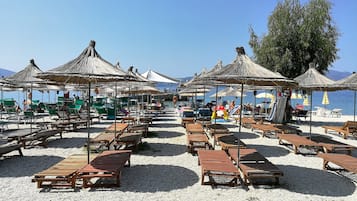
(157, 178)
(17, 166)
(161, 149)
(168, 134)
(269, 151)
(315, 182)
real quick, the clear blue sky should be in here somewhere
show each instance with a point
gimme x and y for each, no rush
(175, 37)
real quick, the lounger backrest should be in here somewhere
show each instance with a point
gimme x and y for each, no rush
(351, 126)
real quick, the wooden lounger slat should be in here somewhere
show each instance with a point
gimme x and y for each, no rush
(345, 161)
(298, 141)
(108, 164)
(254, 165)
(215, 163)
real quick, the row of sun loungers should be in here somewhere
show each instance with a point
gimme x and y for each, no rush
(65, 173)
(217, 166)
(196, 137)
(121, 135)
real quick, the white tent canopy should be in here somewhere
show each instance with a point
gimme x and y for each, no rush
(157, 77)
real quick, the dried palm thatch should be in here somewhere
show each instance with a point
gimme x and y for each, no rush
(244, 71)
(88, 67)
(27, 75)
(313, 80)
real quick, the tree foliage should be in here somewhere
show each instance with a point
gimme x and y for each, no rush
(297, 35)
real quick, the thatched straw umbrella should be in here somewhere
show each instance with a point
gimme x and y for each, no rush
(244, 71)
(312, 80)
(350, 82)
(89, 67)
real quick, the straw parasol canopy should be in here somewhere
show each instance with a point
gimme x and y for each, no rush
(312, 80)
(350, 82)
(27, 75)
(315, 81)
(244, 71)
(89, 67)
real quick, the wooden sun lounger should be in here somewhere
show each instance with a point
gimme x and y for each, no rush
(217, 129)
(63, 173)
(330, 145)
(120, 128)
(41, 137)
(143, 128)
(348, 128)
(197, 141)
(246, 121)
(298, 141)
(265, 129)
(128, 140)
(187, 120)
(108, 164)
(345, 161)
(102, 140)
(216, 163)
(254, 166)
(8, 147)
(227, 141)
(194, 128)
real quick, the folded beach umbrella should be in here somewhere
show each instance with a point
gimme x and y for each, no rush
(88, 68)
(325, 100)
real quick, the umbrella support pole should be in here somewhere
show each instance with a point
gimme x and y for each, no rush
(88, 124)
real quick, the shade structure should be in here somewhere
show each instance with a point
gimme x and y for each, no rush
(158, 77)
(350, 82)
(244, 71)
(312, 80)
(27, 75)
(325, 100)
(89, 67)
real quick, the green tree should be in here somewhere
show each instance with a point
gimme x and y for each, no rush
(297, 35)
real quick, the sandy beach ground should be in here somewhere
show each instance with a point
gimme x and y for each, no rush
(165, 171)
